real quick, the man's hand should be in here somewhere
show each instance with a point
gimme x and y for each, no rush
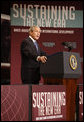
(43, 59)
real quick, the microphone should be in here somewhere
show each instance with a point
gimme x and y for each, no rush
(68, 45)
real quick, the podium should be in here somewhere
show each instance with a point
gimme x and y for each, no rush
(64, 68)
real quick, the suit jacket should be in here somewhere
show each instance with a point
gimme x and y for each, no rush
(30, 67)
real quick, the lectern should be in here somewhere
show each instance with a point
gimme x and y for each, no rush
(64, 68)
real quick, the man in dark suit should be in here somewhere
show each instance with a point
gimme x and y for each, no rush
(31, 57)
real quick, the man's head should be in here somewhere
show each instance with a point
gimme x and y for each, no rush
(34, 32)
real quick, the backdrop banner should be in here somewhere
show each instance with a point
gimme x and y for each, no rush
(48, 103)
(14, 103)
(59, 22)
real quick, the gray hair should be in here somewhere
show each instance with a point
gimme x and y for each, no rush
(31, 29)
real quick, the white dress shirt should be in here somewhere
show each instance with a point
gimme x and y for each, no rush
(34, 43)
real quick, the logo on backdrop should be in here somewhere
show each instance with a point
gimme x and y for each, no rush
(42, 15)
(49, 104)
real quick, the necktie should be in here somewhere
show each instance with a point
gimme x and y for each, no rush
(36, 45)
